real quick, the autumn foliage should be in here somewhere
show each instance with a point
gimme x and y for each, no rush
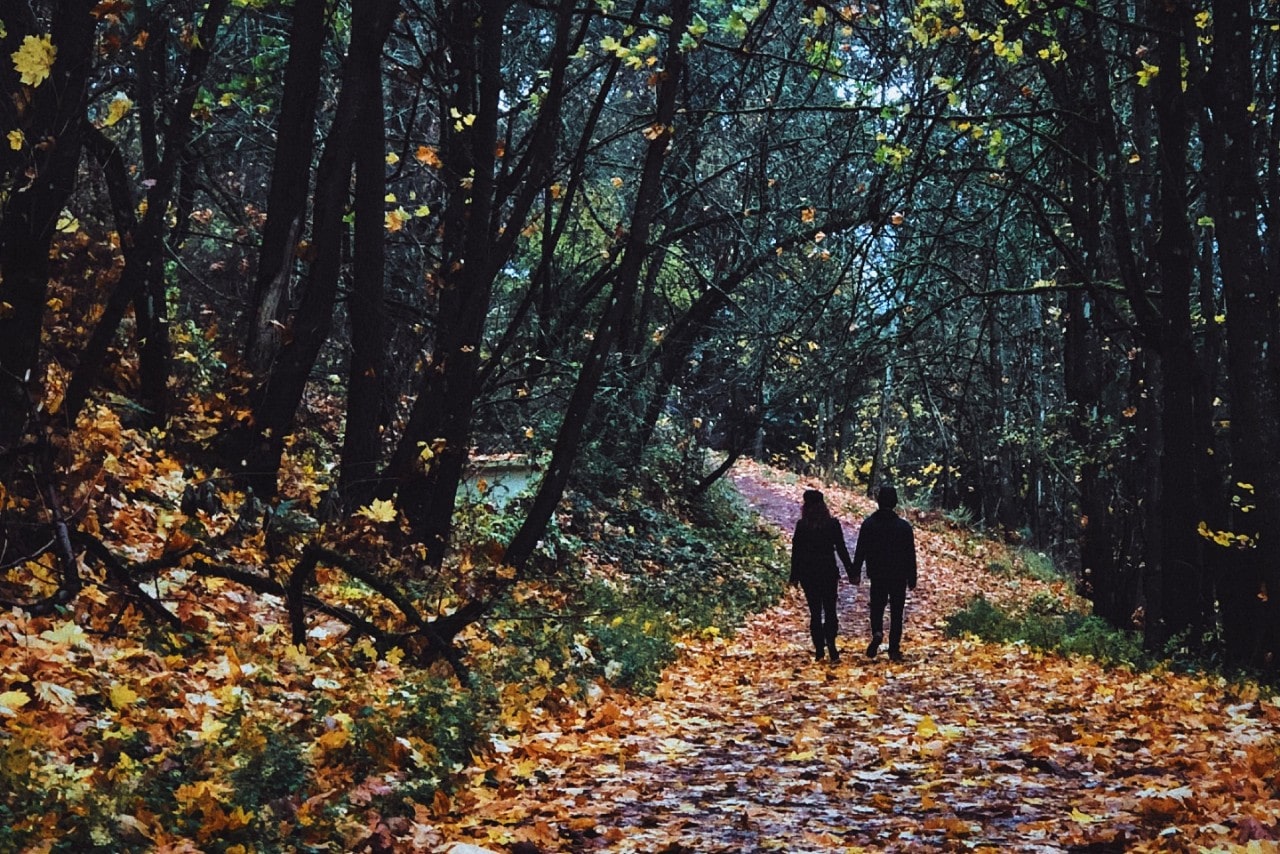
(116, 733)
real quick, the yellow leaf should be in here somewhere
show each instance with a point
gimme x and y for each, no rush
(17, 139)
(1081, 817)
(927, 728)
(122, 696)
(333, 740)
(34, 59)
(392, 158)
(379, 511)
(11, 701)
(120, 106)
(67, 634)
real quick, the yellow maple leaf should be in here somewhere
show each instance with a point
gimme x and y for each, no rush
(67, 634)
(119, 108)
(11, 701)
(379, 511)
(17, 139)
(122, 696)
(34, 58)
(927, 728)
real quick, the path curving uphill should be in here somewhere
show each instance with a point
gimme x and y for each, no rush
(750, 745)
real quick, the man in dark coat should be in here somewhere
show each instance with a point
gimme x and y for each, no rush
(886, 544)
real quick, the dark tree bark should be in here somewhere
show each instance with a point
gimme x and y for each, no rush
(37, 182)
(1175, 574)
(277, 399)
(1109, 585)
(626, 283)
(142, 281)
(1251, 292)
(290, 175)
(361, 446)
(478, 236)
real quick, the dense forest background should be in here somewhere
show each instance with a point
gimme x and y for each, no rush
(1018, 257)
(371, 372)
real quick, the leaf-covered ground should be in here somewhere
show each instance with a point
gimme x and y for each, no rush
(749, 744)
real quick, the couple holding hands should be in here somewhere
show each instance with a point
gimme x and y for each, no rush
(886, 545)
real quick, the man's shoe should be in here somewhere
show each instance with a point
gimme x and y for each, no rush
(874, 646)
(817, 656)
(895, 655)
(835, 655)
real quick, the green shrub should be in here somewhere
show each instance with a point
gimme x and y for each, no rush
(1047, 624)
(983, 619)
(1039, 566)
(634, 649)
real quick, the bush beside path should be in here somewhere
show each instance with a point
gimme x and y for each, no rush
(749, 745)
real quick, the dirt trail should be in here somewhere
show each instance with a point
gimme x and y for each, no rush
(749, 745)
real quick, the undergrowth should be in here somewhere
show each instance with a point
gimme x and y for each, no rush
(1045, 625)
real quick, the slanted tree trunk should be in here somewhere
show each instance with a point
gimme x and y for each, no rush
(626, 283)
(290, 175)
(478, 236)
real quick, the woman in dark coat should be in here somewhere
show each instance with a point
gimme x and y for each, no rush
(818, 539)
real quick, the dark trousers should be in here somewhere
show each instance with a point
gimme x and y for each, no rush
(893, 594)
(823, 624)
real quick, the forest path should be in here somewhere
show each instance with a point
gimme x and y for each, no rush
(750, 745)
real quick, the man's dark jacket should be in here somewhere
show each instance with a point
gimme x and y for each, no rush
(888, 547)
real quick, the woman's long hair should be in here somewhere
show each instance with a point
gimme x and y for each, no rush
(814, 512)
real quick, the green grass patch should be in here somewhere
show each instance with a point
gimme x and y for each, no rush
(1048, 625)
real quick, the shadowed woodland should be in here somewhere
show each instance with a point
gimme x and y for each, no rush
(379, 367)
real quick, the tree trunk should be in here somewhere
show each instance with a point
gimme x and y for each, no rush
(1251, 292)
(361, 445)
(142, 281)
(36, 187)
(277, 400)
(290, 173)
(648, 202)
(428, 462)
(1174, 560)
